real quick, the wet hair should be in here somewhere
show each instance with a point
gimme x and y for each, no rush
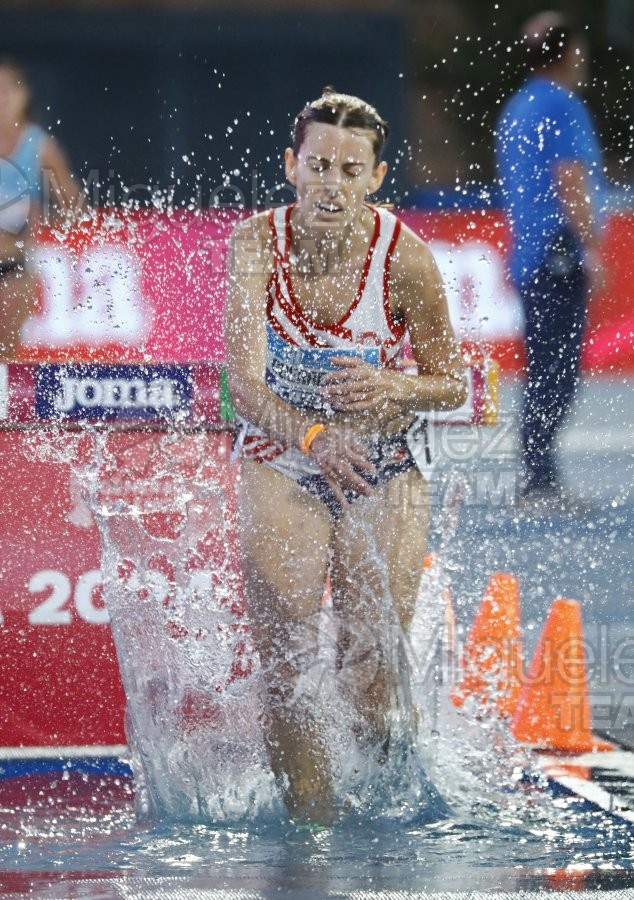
(548, 41)
(345, 111)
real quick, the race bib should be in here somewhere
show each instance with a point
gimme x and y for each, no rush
(296, 374)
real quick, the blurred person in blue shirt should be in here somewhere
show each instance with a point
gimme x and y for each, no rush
(550, 173)
(33, 171)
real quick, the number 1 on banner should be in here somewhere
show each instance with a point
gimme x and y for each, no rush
(94, 298)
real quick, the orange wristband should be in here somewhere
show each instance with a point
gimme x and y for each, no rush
(309, 437)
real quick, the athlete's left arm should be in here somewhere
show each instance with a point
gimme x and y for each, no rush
(418, 296)
(422, 300)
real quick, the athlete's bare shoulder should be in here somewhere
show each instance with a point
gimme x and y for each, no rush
(416, 287)
(413, 256)
(253, 226)
(251, 245)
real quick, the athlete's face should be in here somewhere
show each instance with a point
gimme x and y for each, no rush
(333, 172)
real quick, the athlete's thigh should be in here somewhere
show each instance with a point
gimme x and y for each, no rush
(284, 539)
(380, 544)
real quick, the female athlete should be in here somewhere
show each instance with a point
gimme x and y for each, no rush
(322, 295)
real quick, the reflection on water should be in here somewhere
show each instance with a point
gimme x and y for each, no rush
(84, 824)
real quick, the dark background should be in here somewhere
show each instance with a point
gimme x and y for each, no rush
(142, 95)
(130, 94)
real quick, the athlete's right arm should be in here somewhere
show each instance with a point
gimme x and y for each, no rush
(249, 268)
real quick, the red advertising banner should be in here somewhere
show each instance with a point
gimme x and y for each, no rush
(59, 679)
(60, 682)
(151, 287)
(131, 288)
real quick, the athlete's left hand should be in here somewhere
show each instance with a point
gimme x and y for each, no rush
(358, 387)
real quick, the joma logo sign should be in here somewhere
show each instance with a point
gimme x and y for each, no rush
(113, 392)
(117, 393)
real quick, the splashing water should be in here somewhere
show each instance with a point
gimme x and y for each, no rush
(183, 646)
(165, 510)
(192, 682)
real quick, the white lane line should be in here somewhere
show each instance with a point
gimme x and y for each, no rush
(96, 750)
(618, 761)
(621, 761)
(587, 790)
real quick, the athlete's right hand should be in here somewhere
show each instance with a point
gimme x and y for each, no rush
(340, 456)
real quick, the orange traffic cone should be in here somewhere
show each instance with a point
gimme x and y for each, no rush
(553, 711)
(492, 655)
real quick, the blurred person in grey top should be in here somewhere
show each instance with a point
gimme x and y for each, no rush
(549, 168)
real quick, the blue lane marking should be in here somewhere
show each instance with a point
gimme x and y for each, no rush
(88, 765)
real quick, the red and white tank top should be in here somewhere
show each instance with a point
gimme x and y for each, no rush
(299, 352)
(367, 322)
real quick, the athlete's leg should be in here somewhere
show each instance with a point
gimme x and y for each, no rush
(284, 543)
(378, 549)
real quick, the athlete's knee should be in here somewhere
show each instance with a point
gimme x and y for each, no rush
(360, 657)
(291, 662)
